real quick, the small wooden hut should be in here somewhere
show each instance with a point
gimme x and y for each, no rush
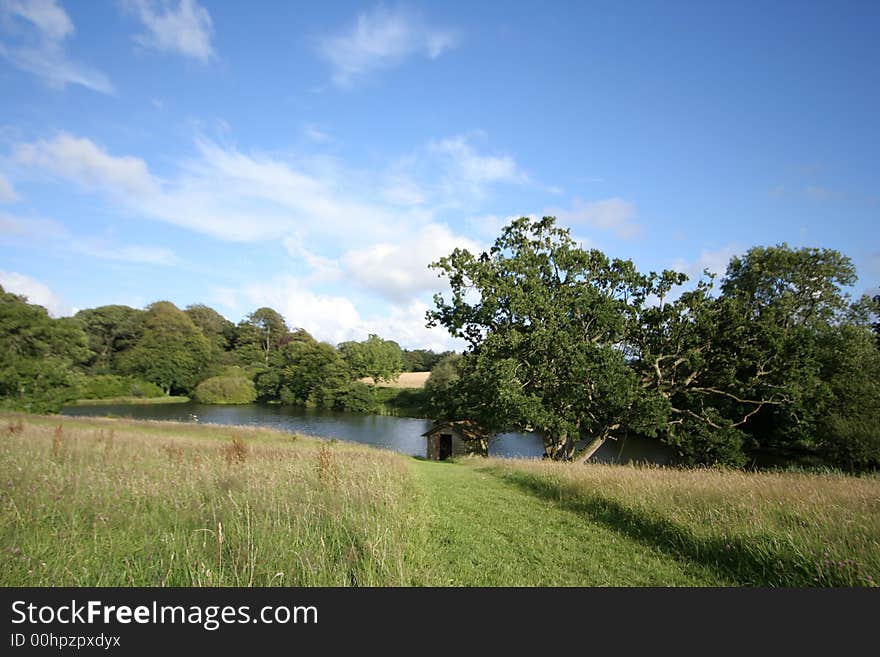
(456, 438)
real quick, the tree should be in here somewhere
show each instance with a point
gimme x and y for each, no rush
(743, 370)
(111, 330)
(440, 387)
(172, 353)
(38, 355)
(214, 326)
(545, 322)
(263, 332)
(421, 360)
(308, 373)
(382, 360)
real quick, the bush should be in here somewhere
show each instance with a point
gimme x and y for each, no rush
(226, 390)
(356, 398)
(852, 443)
(699, 444)
(107, 386)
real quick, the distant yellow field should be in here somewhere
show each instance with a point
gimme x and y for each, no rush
(405, 380)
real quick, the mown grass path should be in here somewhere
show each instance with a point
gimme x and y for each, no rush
(484, 531)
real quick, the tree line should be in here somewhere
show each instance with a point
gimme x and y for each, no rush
(119, 351)
(775, 359)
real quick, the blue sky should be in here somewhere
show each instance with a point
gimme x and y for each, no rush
(315, 157)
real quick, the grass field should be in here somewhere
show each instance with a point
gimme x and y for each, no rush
(131, 400)
(403, 380)
(116, 502)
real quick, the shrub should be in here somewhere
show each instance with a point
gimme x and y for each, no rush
(106, 386)
(226, 390)
(357, 397)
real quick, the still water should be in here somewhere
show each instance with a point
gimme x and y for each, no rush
(401, 434)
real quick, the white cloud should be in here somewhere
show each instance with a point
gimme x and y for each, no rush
(715, 261)
(17, 226)
(40, 48)
(613, 214)
(36, 292)
(147, 255)
(221, 192)
(315, 134)
(7, 192)
(403, 192)
(475, 169)
(89, 165)
(46, 15)
(334, 318)
(323, 269)
(382, 38)
(399, 270)
(185, 29)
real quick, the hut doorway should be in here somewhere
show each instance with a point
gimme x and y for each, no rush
(444, 445)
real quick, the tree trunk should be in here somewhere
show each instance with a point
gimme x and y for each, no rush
(554, 447)
(588, 451)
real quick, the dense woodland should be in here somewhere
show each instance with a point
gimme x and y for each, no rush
(774, 359)
(117, 351)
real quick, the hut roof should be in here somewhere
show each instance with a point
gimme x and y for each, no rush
(468, 428)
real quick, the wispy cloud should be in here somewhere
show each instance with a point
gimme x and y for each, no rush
(86, 163)
(315, 134)
(16, 226)
(382, 38)
(36, 292)
(145, 255)
(220, 192)
(7, 191)
(184, 29)
(40, 28)
(474, 169)
(612, 214)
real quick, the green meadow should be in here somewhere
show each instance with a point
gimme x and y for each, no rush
(100, 502)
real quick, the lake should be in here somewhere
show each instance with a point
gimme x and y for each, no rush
(401, 434)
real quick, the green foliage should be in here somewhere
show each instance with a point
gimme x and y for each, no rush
(357, 397)
(107, 386)
(311, 374)
(111, 330)
(259, 336)
(543, 330)
(440, 387)
(563, 341)
(219, 331)
(402, 402)
(38, 356)
(172, 353)
(225, 390)
(382, 360)
(421, 360)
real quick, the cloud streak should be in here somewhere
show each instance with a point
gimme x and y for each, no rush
(39, 48)
(380, 39)
(186, 29)
(613, 214)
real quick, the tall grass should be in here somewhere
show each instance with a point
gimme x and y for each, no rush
(765, 529)
(94, 503)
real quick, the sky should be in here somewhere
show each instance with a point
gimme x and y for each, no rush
(316, 157)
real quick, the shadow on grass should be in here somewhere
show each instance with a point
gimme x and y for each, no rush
(746, 562)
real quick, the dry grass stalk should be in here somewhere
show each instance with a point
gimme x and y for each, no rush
(327, 470)
(236, 452)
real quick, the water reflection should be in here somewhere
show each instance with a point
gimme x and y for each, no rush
(401, 434)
